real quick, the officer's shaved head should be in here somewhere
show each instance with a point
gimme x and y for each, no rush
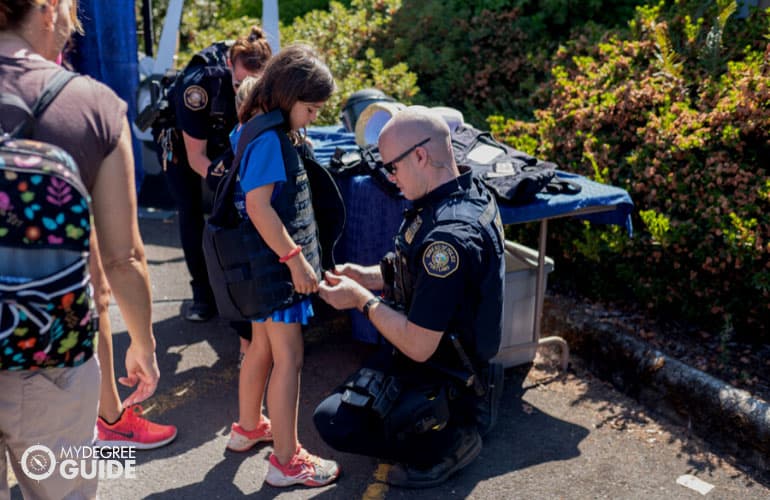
(414, 124)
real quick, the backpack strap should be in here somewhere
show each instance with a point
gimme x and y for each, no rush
(15, 101)
(223, 212)
(50, 91)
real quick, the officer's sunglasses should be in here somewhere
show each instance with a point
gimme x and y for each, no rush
(389, 167)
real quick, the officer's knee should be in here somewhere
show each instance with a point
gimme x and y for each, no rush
(323, 418)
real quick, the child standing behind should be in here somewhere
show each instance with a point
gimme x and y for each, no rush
(273, 192)
(244, 89)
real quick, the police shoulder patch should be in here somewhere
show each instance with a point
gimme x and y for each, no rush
(440, 259)
(195, 97)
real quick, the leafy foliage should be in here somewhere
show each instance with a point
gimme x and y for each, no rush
(288, 10)
(678, 113)
(346, 38)
(490, 57)
(203, 19)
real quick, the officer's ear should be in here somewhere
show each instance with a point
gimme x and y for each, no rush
(229, 63)
(421, 155)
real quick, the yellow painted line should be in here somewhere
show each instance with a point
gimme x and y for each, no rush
(378, 489)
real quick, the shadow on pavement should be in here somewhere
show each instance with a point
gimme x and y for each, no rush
(202, 402)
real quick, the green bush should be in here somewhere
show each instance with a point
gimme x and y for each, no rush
(346, 38)
(490, 57)
(206, 21)
(288, 10)
(677, 113)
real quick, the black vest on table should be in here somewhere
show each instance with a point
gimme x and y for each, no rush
(247, 279)
(474, 205)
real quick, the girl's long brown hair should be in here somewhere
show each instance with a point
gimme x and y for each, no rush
(296, 73)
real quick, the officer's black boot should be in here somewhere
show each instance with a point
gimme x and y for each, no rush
(467, 446)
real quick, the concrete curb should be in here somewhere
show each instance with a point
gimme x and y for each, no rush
(732, 419)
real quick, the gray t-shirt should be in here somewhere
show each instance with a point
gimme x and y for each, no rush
(85, 119)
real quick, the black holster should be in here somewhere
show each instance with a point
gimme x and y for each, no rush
(369, 388)
(487, 405)
(392, 290)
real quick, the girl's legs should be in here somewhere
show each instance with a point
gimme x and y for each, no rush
(283, 394)
(253, 378)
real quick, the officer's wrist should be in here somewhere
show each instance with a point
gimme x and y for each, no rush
(367, 307)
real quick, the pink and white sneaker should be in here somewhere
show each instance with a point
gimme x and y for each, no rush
(243, 440)
(303, 468)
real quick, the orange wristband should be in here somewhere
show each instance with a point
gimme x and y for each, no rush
(294, 252)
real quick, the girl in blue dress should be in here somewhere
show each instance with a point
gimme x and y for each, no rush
(273, 192)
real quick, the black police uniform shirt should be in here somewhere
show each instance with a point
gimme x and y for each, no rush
(202, 87)
(454, 258)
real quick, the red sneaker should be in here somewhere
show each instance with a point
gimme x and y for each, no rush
(303, 468)
(242, 440)
(133, 430)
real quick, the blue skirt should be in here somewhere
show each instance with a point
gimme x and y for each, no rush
(299, 312)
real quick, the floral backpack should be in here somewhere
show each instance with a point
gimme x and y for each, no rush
(47, 317)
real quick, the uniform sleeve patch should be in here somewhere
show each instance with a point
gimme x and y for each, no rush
(440, 259)
(195, 97)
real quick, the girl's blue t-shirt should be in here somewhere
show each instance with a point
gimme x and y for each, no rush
(262, 164)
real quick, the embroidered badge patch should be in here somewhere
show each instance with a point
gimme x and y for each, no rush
(412, 229)
(195, 97)
(440, 259)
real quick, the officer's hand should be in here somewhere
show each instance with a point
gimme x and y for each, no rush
(302, 275)
(215, 174)
(353, 271)
(340, 291)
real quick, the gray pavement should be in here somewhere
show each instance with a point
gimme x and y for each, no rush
(561, 436)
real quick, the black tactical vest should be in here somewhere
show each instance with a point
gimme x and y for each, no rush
(247, 279)
(475, 206)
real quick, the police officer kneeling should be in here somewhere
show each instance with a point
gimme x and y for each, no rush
(426, 401)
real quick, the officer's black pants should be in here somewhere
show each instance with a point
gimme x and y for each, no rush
(185, 187)
(361, 431)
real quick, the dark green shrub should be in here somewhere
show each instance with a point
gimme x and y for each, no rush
(288, 10)
(346, 37)
(206, 21)
(678, 113)
(490, 57)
